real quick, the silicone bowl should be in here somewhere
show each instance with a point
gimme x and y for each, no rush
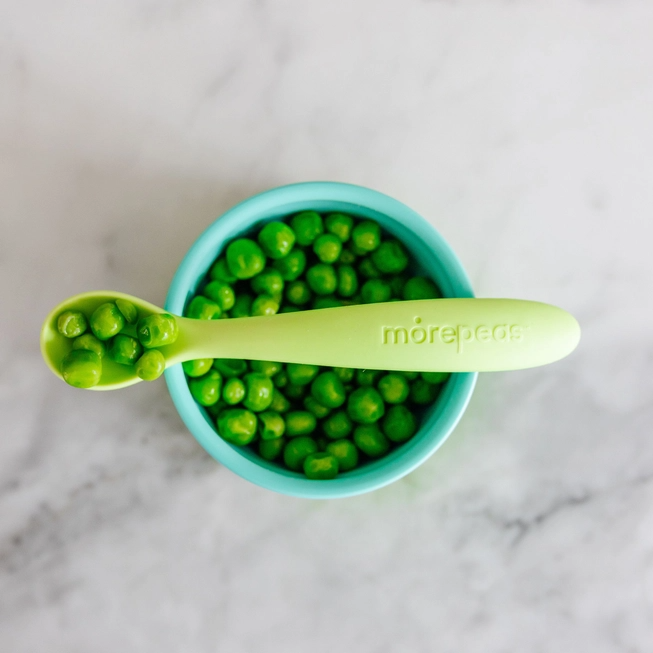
(433, 256)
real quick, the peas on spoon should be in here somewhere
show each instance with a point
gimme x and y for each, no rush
(429, 335)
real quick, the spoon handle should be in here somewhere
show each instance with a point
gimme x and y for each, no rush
(444, 335)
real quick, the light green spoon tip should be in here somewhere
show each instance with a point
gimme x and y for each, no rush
(431, 335)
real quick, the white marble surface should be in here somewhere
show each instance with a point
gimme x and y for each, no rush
(523, 130)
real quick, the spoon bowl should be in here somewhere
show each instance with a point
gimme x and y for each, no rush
(54, 346)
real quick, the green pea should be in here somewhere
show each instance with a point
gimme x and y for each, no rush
(321, 466)
(271, 449)
(233, 391)
(128, 310)
(245, 258)
(367, 269)
(347, 281)
(366, 235)
(269, 368)
(423, 393)
(397, 285)
(202, 308)
(337, 425)
(242, 306)
(72, 324)
(435, 377)
(220, 272)
(237, 426)
(327, 248)
(393, 388)
(300, 422)
(280, 379)
(298, 292)
(316, 407)
(390, 257)
(347, 257)
(290, 309)
(297, 450)
(276, 239)
(328, 389)
(269, 282)
(307, 226)
(376, 290)
(206, 390)
(345, 374)
(221, 293)
(106, 321)
(328, 301)
(265, 305)
(270, 425)
(91, 343)
(339, 225)
(420, 288)
(399, 424)
(259, 392)
(279, 403)
(151, 365)
(300, 374)
(322, 279)
(368, 377)
(410, 376)
(295, 392)
(157, 330)
(365, 406)
(81, 368)
(345, 452)
(291, 266)
(371, 441)
(124, 349)
(230, 367)
(197, 367)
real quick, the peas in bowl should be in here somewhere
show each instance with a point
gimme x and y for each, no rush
(302, 429)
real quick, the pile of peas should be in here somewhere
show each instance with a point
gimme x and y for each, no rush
(82, 366)
(322, 421)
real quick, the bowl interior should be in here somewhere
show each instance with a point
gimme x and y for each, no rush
(432, 256)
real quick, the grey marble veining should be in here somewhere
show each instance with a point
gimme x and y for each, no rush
(522, 131)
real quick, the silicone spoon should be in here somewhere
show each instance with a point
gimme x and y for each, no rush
(443, 335)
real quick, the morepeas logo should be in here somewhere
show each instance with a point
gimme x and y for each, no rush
(447, 334)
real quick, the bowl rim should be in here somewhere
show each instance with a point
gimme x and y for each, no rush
(455, 396)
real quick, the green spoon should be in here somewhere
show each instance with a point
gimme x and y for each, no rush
(431, 335)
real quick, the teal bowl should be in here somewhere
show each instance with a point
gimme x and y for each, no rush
(433, 256)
